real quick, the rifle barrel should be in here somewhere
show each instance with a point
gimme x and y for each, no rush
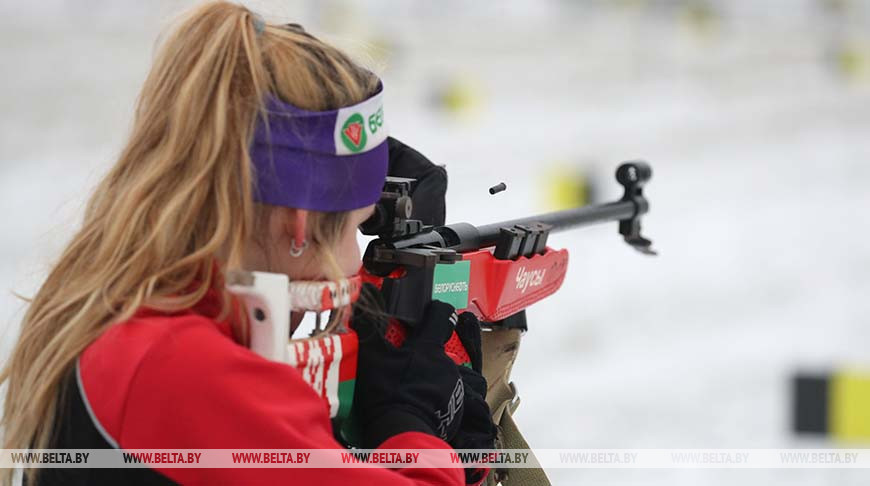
(563, 220)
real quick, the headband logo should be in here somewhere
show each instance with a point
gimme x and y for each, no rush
(376, 121)
(353, 133)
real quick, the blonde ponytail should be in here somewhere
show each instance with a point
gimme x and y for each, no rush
(178, 204)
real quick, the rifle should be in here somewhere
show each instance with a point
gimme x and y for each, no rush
(495, 270)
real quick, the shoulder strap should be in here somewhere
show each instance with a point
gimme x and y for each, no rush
(500, 347)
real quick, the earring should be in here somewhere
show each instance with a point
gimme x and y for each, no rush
(296, 251)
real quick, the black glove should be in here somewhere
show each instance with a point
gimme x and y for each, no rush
(415, 387)
(477, 430)
(427, 194)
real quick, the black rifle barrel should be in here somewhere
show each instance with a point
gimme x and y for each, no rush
(464, 237)
(563, 220)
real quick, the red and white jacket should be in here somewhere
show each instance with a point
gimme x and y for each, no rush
(181, 381)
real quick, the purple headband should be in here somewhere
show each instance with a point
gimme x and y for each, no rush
(321, 160)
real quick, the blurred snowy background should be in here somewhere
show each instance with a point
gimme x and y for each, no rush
(754, 115)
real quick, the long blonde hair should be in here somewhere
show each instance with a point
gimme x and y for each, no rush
(179, 198)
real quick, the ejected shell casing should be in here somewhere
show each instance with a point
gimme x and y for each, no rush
(498, 188)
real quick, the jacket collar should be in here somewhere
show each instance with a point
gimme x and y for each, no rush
(210, 306)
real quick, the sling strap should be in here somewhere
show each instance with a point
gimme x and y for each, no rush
(500, 347)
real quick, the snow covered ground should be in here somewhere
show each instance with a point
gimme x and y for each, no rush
(756, 127)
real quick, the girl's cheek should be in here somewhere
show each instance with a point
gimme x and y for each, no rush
(350, 254)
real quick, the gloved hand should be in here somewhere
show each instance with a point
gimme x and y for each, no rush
(477, 430)
(427, 194)
(415, 387)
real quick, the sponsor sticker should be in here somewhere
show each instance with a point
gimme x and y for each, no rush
(450, 283)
